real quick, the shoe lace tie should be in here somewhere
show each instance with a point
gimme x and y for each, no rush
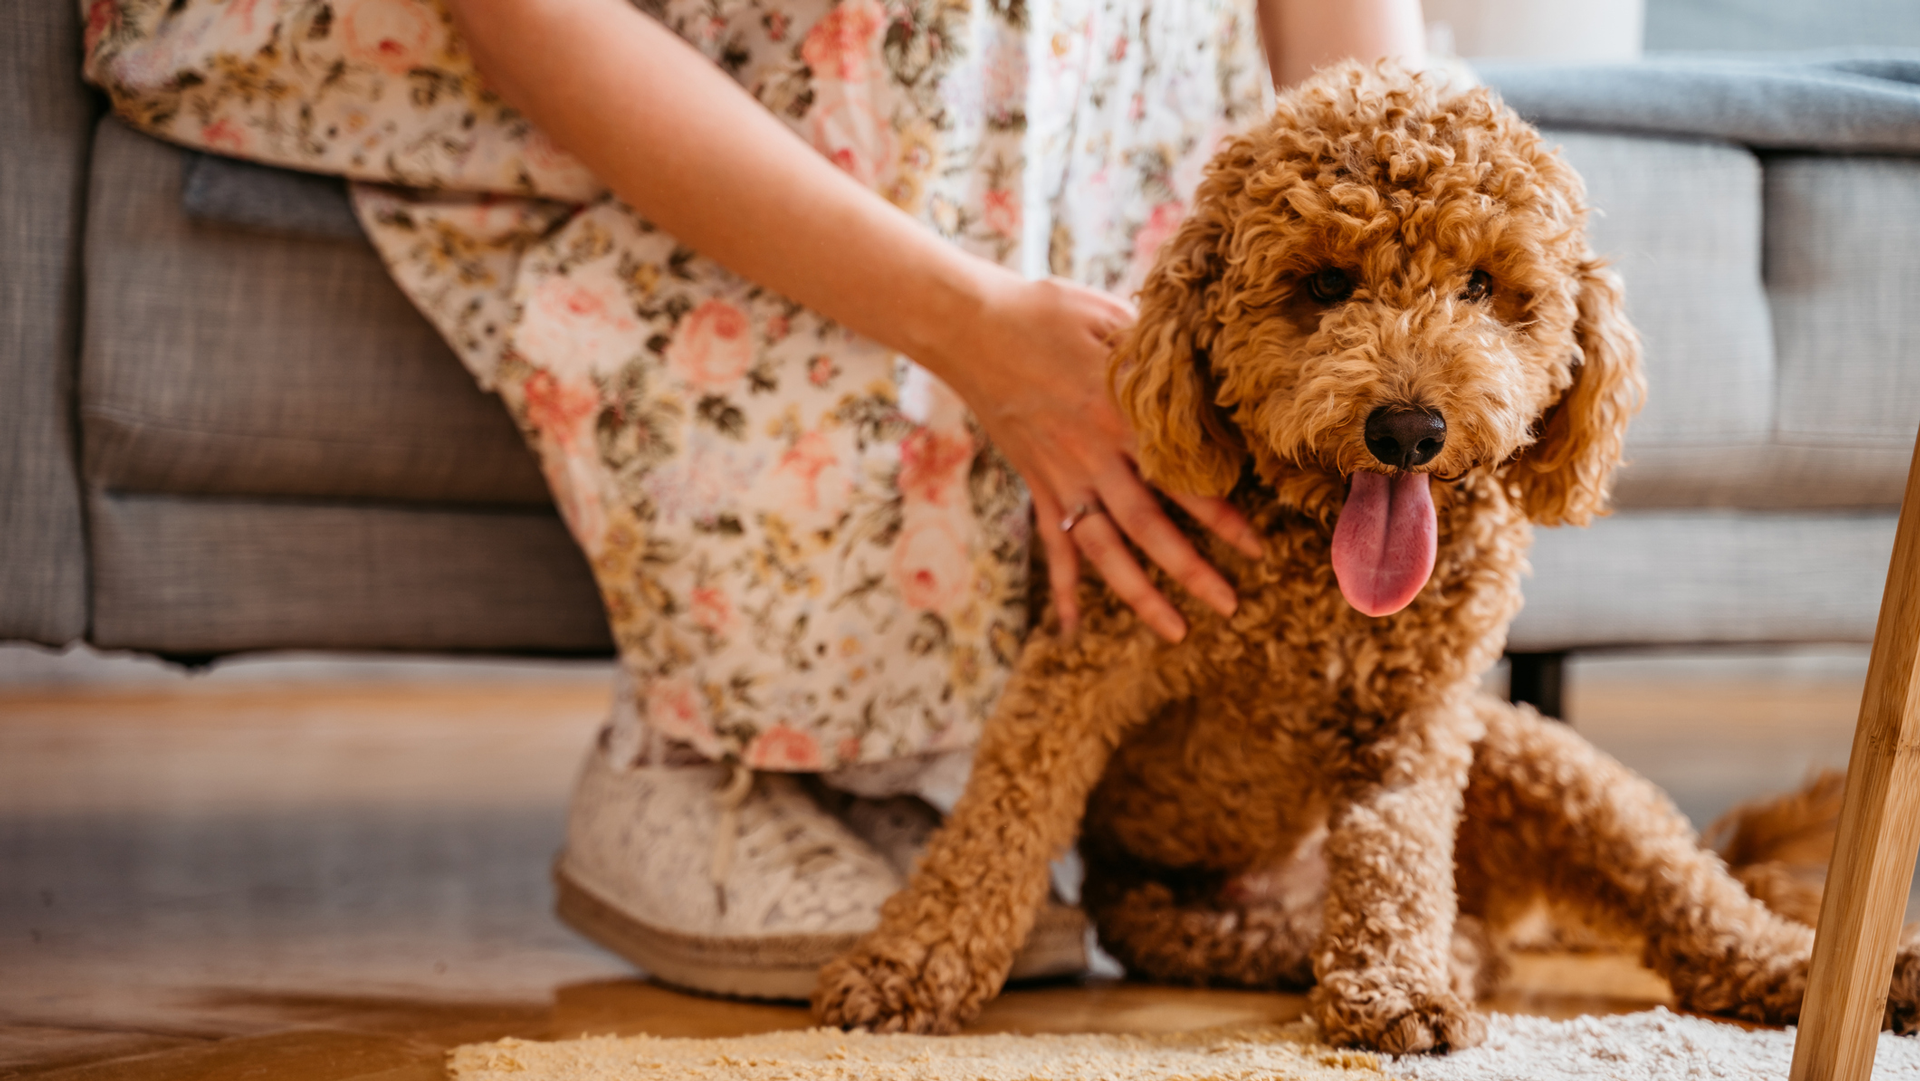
(728, 797)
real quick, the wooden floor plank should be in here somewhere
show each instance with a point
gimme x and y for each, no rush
(33, 1049)
(404, 1040)
(298, 1055)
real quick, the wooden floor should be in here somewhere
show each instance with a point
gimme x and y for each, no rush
(317, 870)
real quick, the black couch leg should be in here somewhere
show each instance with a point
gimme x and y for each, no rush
(1536, 680)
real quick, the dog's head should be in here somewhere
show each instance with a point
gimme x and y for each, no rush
(1387, 284)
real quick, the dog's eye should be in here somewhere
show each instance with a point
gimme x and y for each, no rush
(1330, 285)
(1479, 286)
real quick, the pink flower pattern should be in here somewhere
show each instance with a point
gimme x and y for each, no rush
(674, 706)
(784, 747)
(559, 411)
(712, 609)
(713, 345)
(1159, 226)
(839, 46)
(1003, 212)
(577, 327)
(848, 131)
(930, 564)
(395, 36)
(101, 16)
(225, 136)
(810, 482)
(933, 464)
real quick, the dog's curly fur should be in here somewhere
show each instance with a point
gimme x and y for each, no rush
(1192, 771)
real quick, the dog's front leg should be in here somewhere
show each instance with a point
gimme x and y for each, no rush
(946, 942)
(1382, 963)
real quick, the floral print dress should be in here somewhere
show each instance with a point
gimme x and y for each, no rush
(809, 556)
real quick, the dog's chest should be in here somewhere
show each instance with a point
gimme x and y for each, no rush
(1296, 644)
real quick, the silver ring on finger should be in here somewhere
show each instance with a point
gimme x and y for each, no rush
(1080, 514)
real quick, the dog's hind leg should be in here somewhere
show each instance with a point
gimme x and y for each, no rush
(1903, 997)
(1149, 929)
(1198, 932)
(1255, 929)
(1548, 812)
(946, 942)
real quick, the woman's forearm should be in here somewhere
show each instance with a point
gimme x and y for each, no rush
(687, 147)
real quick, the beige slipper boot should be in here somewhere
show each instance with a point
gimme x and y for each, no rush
(738, 883)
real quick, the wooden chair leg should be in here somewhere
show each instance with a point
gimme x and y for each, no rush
(1873, 856)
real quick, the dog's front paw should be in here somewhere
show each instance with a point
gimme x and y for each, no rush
(1398, 1024)
(895, 984)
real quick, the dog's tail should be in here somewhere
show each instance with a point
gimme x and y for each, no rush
(1779, 846)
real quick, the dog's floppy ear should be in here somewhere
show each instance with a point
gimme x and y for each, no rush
(1160, 373)
(1566, 475)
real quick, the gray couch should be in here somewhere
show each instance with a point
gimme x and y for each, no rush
(217, 438)
(214, 439)
(1780, 308)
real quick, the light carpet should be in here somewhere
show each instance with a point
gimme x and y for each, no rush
(1654, 1046)
(1657, 1045)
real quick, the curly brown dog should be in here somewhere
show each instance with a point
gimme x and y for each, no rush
(1383, 332)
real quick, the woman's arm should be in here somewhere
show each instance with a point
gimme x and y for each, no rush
(686, 146)
(681, 142)
(1303, 35)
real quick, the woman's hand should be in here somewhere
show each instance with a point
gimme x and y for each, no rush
(1033, 366)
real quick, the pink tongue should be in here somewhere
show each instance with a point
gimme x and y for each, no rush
(1383, 545)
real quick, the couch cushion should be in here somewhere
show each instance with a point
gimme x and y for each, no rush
(46, 118)
(1654, 578)
(1735, 418)
(233, 191)
(1843, 271)
(1780, 24)
(197, 575)
(1680, 221)
(219, 361)
(1833, 103)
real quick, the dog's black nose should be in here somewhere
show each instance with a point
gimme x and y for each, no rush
(1404, 438)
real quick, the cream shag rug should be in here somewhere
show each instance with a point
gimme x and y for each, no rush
(1652, 1046)
(1287, 1052)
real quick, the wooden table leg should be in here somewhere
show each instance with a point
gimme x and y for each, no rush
(1879, 832)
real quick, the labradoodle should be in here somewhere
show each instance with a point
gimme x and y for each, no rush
(1382, 330)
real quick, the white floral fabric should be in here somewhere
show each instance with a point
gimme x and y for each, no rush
(809, 556)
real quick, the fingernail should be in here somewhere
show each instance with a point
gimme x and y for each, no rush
(1173, 630)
